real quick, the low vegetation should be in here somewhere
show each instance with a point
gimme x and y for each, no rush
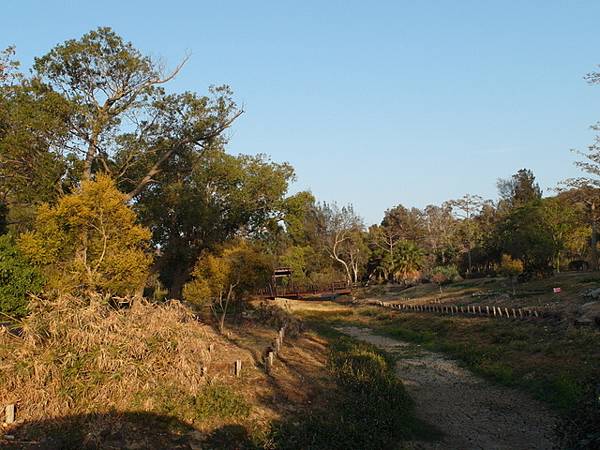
(369, 410)
(78, 356)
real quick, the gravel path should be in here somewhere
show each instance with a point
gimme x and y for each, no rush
(470, 412)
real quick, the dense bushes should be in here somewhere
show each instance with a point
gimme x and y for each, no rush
(17, 279)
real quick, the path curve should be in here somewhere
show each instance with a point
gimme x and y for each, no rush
(471, 412)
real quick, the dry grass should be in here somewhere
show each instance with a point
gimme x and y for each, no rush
(82, 355)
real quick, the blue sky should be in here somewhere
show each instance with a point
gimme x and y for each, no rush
(374, 103)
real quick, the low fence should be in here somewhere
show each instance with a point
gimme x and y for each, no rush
(470, 310)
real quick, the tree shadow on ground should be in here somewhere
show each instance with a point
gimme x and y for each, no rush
(122, 430)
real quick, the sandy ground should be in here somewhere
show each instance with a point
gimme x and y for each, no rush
(469, 411)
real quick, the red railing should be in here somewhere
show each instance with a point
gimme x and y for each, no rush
(309, 291)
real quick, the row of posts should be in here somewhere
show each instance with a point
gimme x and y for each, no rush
(269, 358)
(491, 311)
(274, 350)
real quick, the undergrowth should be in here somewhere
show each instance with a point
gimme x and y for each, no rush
(370, 411)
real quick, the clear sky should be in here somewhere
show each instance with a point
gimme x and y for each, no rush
(374, 103)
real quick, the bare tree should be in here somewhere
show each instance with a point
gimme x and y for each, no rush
(341, 230)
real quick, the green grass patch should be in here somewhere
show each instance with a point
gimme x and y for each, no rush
(370, 410)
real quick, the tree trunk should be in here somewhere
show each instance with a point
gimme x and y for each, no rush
(180, 277)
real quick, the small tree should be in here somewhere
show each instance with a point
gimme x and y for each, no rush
(90, 241)
(225, 277)
(18, 278)
(444, 274)
(511, 268)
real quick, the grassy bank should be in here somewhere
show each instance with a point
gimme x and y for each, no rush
(369, 409)
(555, 362)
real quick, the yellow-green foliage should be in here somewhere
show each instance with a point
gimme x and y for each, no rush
(230, 273)
(90, 240)
(510, 267)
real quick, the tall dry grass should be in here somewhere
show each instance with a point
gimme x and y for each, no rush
(82, 355)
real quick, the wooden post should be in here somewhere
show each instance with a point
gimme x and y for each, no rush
(520, 313)
(238, 368)
(9, 413)
(211, 348)
(479, 308)
(487, 310)
(203, 371)
(507, 313)
(514, 313)
(277, 345)
(269, 362)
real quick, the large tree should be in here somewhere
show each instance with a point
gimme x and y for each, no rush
(123, 122)
(202, 200)
(519, 189)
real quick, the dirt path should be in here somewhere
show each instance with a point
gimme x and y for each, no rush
(472, 413)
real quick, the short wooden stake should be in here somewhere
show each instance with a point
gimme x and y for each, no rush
(277, 345)
(479, 308)
(520, 313)
(203, 371)
(269, 362)
(535, 313)
(487, 310)
(507, 313)
(238, 368)
(211, 348)
(514, 313)
(9, 413)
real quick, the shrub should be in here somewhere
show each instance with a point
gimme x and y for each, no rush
(441, 275)
(225, 277)
(18, 278)
(373, 411)
(90, 241)
(511, 268)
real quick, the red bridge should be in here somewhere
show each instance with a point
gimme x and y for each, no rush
(307, 292)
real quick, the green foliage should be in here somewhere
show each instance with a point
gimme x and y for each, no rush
(373, 411)
(18, 278)
(90, 241)
(444, 275)
(519, 190)
(204, 200)
(213, 401)
(33, 128)
(406, 261)
(525, 235)
(220, 278)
